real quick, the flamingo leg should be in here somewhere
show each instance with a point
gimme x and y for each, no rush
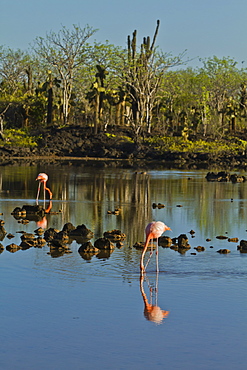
(156, 288)
(44, 194)
(157, 256)
(38, 193)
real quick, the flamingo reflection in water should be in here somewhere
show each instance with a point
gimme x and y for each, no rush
(152, 311)
(43, 221)
(153, 231)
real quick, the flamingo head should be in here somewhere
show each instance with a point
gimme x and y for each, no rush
(42, 177)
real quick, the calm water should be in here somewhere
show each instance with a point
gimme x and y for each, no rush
(72, 313)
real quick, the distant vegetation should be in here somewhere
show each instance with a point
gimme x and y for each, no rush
(64, 80)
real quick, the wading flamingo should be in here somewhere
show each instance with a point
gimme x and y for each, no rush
(153, 231)
(42, 178)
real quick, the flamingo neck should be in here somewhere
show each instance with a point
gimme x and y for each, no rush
(49, 191)
(148, 237)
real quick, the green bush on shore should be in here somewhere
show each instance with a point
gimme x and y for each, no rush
(19, 138)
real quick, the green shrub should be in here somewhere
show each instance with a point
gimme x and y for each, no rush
(19, 137)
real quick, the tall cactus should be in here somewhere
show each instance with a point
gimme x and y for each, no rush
(140, 79)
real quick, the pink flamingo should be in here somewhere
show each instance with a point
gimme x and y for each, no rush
(42, 178)
(153, 231)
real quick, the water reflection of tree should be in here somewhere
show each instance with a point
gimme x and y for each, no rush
(99, 193)
(134, 193)
(85, 196)
(211, 205)
(128, 193)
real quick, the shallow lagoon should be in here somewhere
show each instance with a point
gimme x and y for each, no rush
(68, 312)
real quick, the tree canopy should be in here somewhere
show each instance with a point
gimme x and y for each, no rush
(66, 80)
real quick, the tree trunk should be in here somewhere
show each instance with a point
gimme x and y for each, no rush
(233, 123)
(96, 116)
(49, 107)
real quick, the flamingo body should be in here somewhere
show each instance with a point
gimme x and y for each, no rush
(153, 231)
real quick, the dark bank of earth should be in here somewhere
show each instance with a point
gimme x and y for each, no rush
(79, 143)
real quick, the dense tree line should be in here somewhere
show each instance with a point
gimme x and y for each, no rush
(66, 80)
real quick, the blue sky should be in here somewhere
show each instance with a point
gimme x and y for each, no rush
(205, 28)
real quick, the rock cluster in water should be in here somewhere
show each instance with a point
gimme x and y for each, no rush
(181, 244)
(243, 246)
(59, 240)
(223, 176)
(29, 210)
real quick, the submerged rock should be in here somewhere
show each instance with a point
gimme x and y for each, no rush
(180, 244)
(12, 248)
(50, 234)
(29, 210)
(61, 239)
(41, 242)
(88, 247)
(243, 246)
(39, 231)
(223, 176)
(165, 241)
(27, 236)
(158, 205)
(233, 240)
(87, 251)
(58, 252)
(223, 251)
(183, 241)
(237, 178)
(114, 235)
(81, 231)
(26, 244)
(104, 254)
(140, 245)
(28, 240)
(68, 227)
(200, 248)
(116, 212)
(103, 243)
(3, 232)
(18, 212)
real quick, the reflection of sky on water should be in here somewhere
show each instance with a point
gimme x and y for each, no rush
(89, 314)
